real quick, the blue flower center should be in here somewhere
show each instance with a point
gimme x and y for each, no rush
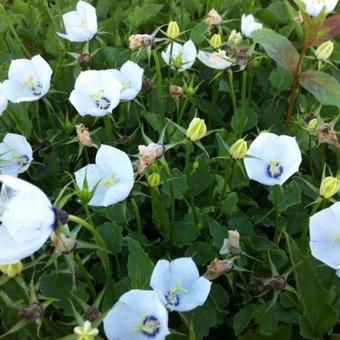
(103, 103)
(274, 169)
(150, 326)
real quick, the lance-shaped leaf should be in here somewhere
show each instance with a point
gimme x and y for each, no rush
(329, 29)
(278, 48)
(324, 87)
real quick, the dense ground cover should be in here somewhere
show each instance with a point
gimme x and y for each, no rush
(206, 95)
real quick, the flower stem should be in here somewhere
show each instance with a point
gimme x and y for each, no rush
(159, 80)
(108, 128)
(188, 151)
(138, 220)
(293, 92)
(232, 90)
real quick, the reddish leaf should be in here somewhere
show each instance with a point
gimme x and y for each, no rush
(278, 48)
(324, 87)
(329, 29)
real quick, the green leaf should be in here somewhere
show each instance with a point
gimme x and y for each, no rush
(112, 235)
(278, 47)
(318, 316)
(288, 195)
(324, 87)
(242, 318)
(266, 319)
(199, 33)
(140, 15)
(140, 266)
(329, 29)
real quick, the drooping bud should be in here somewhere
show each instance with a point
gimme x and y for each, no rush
(329, 187)
(216, 41)
(196, 130)
(84, 136)
(176, 92)
(173, 30)
(217, 267)
(239, 149)
(213, 19)
(325, 50)
(12, 270)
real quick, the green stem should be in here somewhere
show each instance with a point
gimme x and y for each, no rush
(108, 128)
(244, 90)
(232, 90)
(85, 275)
(181, 113)
(277, 237)
(138, 220)
(159, 80)
(188, 151)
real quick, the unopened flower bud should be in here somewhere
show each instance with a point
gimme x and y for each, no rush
(196, 130)
(140, 40)
(216, 41)
(213, 19)
(176, 92)
(324, 51)
(86, 332)
(190, 90)
(234, 39)
(239, 149)
(217, 267)
(154, 180)
(11, 270)
(84, 136)
(173, 30)
(313, 124)
(329, 187)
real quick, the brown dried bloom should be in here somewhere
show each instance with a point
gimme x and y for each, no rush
(326, 134)
(299, 19)
(176, 92)
(217, 267)
(62, 243)
(83, 136)
(275, 284)
(213, 19)
(140, 40)
(33, 313)
(148, 154)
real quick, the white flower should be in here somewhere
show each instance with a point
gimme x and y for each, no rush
(314, 7)
(131, 78)
(3, 100)
(137, 315)
(15, 155)
(180, 57)
(217, 60)
(26, 219)
(112, 174)
(179, 285)
(96, 93)
(80, 25)
(324, 229)
(249, 25)
(273, 158)
(28, 79)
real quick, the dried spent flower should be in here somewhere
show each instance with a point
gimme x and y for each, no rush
(176, 92)
(84, 136)
(326, 134)
(91, 313)
(33, 313)
(213, 19)
(149, 154)
(62, 243)
(140, 40)
(275, 284)
(218, 267)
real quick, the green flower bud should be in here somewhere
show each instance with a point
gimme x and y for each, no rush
(154, 180)
(239, 149)
(324, 51)
(313, 124)
(196, 130)
(329, 187)
(216, 41)
(173, 30)
(234, 39)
